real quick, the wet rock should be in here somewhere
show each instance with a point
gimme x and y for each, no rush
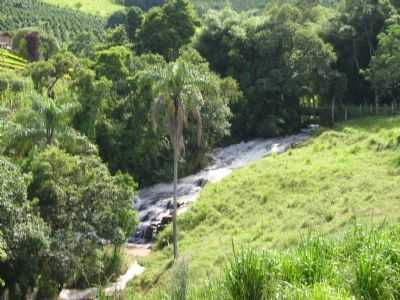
(201, 182)
(170, 205)
(145, 216)
(166, 219)
(148, 233)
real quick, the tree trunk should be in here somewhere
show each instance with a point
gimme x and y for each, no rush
(174, 225)
(355, 57)
(376, 100)
(333, 110)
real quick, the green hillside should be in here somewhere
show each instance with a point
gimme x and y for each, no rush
(64, 23)
(239, 5)
(9, 60)
(340, 177)
(97, 7)
(107, 7)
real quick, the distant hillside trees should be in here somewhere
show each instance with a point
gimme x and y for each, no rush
(277, 61)
(165, 30)
(35, 44)
(143, 4)
(384, 68)
(64, 23)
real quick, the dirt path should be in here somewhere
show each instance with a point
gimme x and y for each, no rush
(136, 250)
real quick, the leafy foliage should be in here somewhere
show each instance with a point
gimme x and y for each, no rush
(276, 60)
(25, 236)
(383, 69)
(165, 30)
(84, 206)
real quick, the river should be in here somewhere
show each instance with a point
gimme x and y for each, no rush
(154, 204)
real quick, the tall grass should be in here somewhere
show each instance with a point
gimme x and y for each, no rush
(246, 276)
(364, 263)
(179, 280)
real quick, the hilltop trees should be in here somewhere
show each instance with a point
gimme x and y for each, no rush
(134, 20)
(165, 30)
(353, 33)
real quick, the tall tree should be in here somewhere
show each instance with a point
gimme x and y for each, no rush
(165, 30)
(38, 125)
(134, 20)
(179, 88)
(384, 68)
(46, 74)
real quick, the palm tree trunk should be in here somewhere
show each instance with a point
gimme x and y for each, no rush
(174, 225)
(333, 110)
(175, 229)
(376, 96)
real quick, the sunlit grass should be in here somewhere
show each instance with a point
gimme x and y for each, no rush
(341, 177)
(96, 7)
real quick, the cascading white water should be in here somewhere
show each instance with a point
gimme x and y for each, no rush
(154, 203)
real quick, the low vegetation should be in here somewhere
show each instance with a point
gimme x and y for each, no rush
(11, 61)
(362, 263)
(340, 178)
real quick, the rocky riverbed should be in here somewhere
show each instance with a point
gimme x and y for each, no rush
(154, 203)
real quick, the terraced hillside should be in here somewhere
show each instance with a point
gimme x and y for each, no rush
(9, 60)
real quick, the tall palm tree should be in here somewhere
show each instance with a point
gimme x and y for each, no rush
(179, 89)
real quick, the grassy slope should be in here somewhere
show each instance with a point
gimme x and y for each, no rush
(96, 7)
(341, 177)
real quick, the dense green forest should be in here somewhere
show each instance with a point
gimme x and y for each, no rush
(92, 109)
